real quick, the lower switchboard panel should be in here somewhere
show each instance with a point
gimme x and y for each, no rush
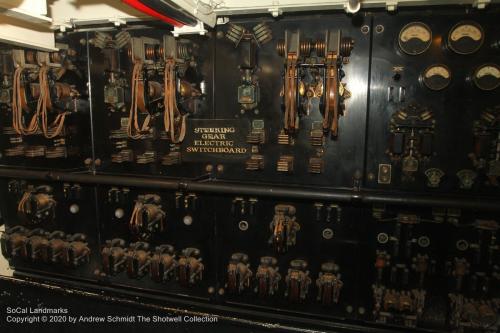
(426, 267)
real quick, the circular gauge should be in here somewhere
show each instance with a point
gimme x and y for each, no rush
(465, 37)
(382, 238)
(462, 245)
(487, 77)
(436, 77)
(415, 38)
(424, 241)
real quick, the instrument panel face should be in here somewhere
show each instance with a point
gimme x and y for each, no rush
(400, 111)
(446, 83)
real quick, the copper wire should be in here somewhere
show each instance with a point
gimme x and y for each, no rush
(174, 122)
(135, 131)
(18, 107)
(45, 104)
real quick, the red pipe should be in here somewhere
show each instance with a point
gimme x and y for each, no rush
(147, 10)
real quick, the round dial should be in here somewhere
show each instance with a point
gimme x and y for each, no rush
(436, 77)
(487, 76)
(466, 37)
(415, 38)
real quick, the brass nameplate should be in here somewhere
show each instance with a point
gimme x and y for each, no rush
(215, 140)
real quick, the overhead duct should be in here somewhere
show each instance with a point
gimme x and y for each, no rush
(165, 11)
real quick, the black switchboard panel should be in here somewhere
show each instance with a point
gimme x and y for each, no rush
(67, 77)
(455, 108)
(338, 170)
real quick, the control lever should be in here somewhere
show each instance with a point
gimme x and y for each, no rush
(381, 262)
(238, 273)
(176, 55)
(460, 269)
(163, 263)
(37, 205)
(297, 281)
(138, 259)
(267, 277)
(284, 228)
(113, 256)
(190, 267)
(76, 251)
(421, 266)
(13, 240)
(57, 243)
(329, 283)
(37, 245)
(147, 216)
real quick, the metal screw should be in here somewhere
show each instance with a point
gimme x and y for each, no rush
(382, 238)
(462, 245)
(424, 241)
(327, 233)
(243, 225)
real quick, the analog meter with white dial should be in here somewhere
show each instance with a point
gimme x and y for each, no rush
(465, 37)
(415, 38)
(436, 77)
(487, 77)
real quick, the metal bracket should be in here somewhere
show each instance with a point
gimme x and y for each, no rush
(222, 20)
(275, 11)
(117, 21)
(391, 6)
(190, 30)
(63, 26)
